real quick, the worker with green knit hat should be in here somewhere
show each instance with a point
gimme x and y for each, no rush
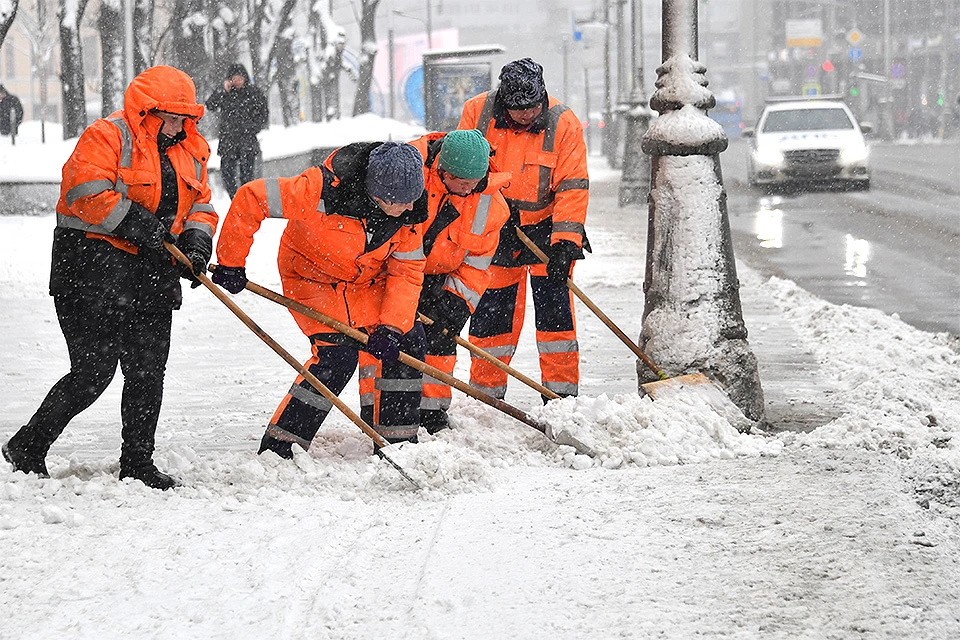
(465, 213)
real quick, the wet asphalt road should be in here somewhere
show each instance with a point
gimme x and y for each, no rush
(895, 247)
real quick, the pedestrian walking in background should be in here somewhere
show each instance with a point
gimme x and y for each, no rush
(243, 113)
(135, 179)
(539, 142)
(352, 249)
(11, 112)
(464, 214)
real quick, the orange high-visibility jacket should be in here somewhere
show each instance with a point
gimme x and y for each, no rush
(462, 232)
(547, 163)
(339, 253)
(116, 162)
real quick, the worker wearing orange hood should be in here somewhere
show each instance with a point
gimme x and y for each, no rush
(135, 179)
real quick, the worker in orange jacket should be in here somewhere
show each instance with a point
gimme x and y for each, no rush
(464, 214)
(135, 179)
(353, 250)
(539, 142)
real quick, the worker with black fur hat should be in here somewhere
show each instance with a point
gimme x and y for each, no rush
(539, 141)
(243, 113)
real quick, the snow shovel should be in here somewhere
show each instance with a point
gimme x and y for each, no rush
(561, 437)
(665, 386)
(484, 355)
(293, 362)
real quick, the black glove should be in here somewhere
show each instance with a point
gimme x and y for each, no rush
(198, 247)
(384, 344)
(233, 279)
(447, 310)
(561, 255)
(143, 229)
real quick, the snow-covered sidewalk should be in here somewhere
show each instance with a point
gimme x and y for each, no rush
(684, 527)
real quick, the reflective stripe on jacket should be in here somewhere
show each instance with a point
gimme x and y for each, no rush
(547, 164)
(116, 162)
(461, 232)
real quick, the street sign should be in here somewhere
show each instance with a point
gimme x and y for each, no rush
(854, 37)
(811, 71)
(811, 89)
(897, 70)
(804, 33)
(855, 53)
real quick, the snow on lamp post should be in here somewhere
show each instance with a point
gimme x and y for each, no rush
(692, 318)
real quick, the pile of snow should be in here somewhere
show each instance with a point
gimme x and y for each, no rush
(899, 388)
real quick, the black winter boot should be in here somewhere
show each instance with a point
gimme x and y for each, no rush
(434, 420)
(282, 448)
(25, 461)
(149, 475)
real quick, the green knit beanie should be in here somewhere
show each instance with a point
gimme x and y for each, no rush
(465, 153)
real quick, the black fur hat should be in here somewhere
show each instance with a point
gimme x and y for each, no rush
(521, 84)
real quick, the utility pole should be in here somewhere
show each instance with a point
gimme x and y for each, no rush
(605, 137)
(635, 177)
(128, 38)
(391, 62)
(692, 317)
(429, 24)
(888, 129)
(617, 124)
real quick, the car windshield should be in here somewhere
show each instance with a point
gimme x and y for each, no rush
(806, 120)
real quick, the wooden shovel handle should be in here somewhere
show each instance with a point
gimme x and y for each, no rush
(283, 353)
(600, 314)
(484, 355)
(406, 359)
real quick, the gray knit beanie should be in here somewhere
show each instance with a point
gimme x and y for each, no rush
(395, 172)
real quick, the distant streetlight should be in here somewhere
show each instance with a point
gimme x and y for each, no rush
(428, 23)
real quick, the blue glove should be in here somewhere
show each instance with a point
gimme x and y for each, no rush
(384, 344)
(233, 279)
(561, 255)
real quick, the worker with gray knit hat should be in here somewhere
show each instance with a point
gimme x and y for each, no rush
(464, 213)
(353, 250)
(539, 141)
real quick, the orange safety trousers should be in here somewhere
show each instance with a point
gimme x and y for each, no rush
(435, 394)
(495, 327)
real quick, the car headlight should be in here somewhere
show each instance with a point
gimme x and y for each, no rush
(854, 154)
(768, 156)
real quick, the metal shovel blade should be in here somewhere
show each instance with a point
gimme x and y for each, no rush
(381, 453)
(564, 437)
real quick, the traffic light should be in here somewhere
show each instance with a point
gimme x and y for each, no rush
(827, 66)
(940, 99)
(854, 92)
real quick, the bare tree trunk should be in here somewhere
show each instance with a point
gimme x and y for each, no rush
(287, 81)
(265, 35)
(189, 51)
(368, 52)
(7, 14)
(226, 24)
(71, 68)
(143, 45)
(255, 37)
(110, 26)
(325, 62)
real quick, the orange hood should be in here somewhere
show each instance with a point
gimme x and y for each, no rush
(163, 88)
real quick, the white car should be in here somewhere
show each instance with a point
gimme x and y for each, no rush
(808, 141)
